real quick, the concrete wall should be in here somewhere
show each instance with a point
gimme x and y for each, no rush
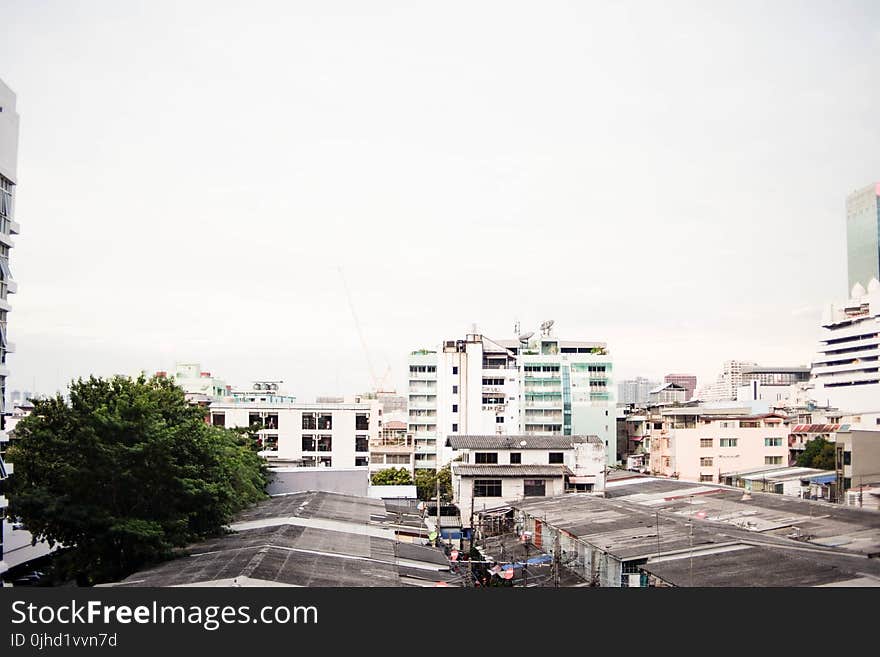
(294, 480)
(511, 491)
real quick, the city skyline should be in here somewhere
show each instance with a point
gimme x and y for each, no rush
(670, 205)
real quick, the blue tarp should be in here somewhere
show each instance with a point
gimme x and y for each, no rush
(544, 558)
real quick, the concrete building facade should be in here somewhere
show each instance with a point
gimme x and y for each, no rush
(699, 444)
(331, 435)
(8, 227)
(534, 386)
(846, 368)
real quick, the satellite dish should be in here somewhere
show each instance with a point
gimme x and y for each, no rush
(525, 336)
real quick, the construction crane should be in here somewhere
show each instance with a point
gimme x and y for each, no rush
(377, 383)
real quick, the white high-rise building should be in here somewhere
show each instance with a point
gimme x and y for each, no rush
(530, 385)
(725, 386)
(8, 227)
(846, 369)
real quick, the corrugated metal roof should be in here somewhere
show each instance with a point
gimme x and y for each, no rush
(515, 442)
(525, 470)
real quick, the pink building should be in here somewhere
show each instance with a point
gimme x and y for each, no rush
(700, 444)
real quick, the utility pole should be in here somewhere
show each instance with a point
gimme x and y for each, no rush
(438, 507)
(557, 557)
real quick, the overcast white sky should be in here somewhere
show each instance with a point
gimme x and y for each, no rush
(667, 177)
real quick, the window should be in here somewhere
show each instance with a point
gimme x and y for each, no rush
(455, 369)
(325, 444)
(772, 442)
(727, 442)
(499, 419)
(749, 424)
(487, 488)
(454, 390)
(706, 442)
(361, 460)
(534, 488)
(455, 408)
(270, 443)
(309, 421)
(271, 421)
(309, 461)
(772, 460)
(706, 462)
(308, 444)
(847, 458)
(362, 443)
(361, 422)
(454, 428)
(325, 422)
(706, 477)
(555, 457)
(325, 461)
(218, 419)
(515, 458)
(255, 419)
(486, 457)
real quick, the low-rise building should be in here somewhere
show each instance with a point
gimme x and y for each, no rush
(783, 480)
(308, 435)
(698, 443)
(491, 470)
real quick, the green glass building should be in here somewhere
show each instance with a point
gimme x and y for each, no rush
(863, 235)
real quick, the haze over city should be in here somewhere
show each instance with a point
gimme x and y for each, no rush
(667, 179)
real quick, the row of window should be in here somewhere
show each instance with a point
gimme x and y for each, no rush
(515, 457)
(732, 442)
(312, 421)
(706, 461)
(492, 488)
(312, 443)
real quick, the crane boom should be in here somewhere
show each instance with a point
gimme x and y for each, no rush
(357, 325)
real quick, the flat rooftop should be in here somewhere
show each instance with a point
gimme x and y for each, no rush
(645, 518)
(305, 539)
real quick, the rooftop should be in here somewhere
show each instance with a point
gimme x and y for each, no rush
(304, 539)
(524, 470)
(496, 441)
(642, 517)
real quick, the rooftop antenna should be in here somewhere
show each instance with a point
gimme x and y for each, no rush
(516, 327)
(546, 327)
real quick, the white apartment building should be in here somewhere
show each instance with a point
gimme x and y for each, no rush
(492, 470)
(332, 435)
(700, 444)
(724, 388)
(8, 228)
(534, 386)
(846, 369)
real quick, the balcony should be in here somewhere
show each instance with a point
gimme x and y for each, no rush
(11, 287)
(14, 227)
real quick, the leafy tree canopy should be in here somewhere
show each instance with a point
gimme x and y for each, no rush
(124, 472)
(818, 453)
(392, 477)
(426, 484)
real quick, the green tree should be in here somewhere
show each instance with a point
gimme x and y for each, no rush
(392, 477)
(125, 472)
(819, 453)
(426, 484)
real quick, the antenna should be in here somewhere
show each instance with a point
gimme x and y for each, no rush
(524, 338)
(546, 326)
